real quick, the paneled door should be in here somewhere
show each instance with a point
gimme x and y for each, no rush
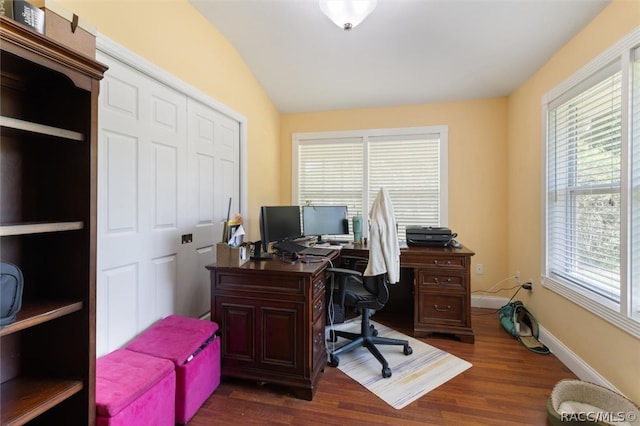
(168, 166)
(214, 178)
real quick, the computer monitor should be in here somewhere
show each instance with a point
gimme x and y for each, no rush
(324, 220)
(279, 223)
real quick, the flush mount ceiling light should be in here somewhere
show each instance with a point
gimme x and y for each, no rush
(347, 13)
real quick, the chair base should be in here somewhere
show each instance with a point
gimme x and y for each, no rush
(368, 338)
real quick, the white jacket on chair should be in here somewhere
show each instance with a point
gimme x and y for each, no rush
(384, 250)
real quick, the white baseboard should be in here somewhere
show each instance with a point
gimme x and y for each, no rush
(488, 302)
(572, 361)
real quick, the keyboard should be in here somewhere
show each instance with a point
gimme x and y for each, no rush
(292, 247)
(317, 251)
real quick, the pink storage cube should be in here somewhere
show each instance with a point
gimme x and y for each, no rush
(191, 344)
(134, 389)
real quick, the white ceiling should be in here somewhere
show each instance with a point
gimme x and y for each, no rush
(405, 52)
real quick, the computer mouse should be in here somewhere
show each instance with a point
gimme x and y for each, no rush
(455, 244)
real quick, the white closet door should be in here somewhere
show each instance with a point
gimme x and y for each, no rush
(142, 181)
(214, 179)
(167, 168)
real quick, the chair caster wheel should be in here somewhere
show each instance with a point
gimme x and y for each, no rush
(407, 350)
(334, 361)
(374, 332)
(386, 372)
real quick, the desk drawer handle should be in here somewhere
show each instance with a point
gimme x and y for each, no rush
(447, 309)
(437, 281)
(447, 263)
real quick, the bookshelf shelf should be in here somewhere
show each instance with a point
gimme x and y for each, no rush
(14, 123)
(38, 312)
(24, 399)
(38, 228)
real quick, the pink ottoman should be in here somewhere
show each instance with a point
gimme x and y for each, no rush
(191, 344)
(134, 389)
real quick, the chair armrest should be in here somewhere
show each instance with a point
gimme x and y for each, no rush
(344, 271)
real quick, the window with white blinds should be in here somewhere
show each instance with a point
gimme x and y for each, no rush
(583, 205)
(349, 168)
(592, 200)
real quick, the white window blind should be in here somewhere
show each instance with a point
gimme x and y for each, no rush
(634, 296)
(592, 199)
(409, 167)
(350, 167)
(330, 173)
(583, 206)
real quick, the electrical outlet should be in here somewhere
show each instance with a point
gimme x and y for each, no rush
(518, 277)
(479, 269)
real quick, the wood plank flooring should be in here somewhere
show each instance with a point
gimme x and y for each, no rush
(507, 385)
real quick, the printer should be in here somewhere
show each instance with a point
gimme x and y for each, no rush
(430, 236)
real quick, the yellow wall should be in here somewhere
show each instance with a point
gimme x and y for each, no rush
(613, 353)
(477, 167)
(176, 37)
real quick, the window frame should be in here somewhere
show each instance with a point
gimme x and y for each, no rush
(365, 135)
(618, 314)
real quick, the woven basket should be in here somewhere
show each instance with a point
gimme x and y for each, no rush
(575, 402)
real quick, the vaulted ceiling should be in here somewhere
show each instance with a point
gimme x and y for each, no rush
(405, 52)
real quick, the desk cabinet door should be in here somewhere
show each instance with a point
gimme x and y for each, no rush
(259, 335)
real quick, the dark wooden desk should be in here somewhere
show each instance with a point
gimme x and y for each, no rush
(272, 314)
(272, 319)
(441, 288)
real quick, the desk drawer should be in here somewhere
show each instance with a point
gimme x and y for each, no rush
(436, 280)
(318, 307)
(443, 309)
(319, 285)
(251, 283)
(455, 262)
(319, 356)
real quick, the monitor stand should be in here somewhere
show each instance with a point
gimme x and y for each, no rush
(330, 241)
(258, 254)
(319, 240)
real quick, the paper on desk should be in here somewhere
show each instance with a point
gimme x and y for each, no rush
(329, 246)
(237, 236)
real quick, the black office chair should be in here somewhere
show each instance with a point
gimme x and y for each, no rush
(367, 294)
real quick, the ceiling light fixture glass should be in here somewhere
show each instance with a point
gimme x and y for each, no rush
(347, 13)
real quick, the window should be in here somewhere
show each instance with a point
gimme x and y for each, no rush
(350, 167)
(592, 199)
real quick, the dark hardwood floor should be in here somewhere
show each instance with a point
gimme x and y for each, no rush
(507, 385)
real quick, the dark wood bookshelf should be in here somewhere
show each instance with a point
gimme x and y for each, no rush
(48, 176)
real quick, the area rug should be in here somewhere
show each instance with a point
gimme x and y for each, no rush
(412, 376)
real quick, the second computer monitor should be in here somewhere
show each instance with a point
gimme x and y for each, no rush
(324, 220)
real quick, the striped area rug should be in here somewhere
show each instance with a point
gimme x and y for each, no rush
(412, 376)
